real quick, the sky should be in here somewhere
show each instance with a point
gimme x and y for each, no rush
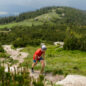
(15, 7)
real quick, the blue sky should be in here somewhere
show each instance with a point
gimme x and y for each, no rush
(14, 7)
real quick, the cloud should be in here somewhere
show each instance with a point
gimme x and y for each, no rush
(19, 6)
(40, 3)
(3, 13)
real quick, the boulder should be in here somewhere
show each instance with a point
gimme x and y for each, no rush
(73, 80)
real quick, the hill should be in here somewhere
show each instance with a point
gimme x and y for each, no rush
(47, 25)
(56, 15)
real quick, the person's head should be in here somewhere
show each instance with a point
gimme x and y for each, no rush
(43, 48)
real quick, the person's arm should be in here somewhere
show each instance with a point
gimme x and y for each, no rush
(43, 55)
(36, 58)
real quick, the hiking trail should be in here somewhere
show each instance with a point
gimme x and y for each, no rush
(16, 54)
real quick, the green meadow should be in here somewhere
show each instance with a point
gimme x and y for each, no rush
(59, 61)
(48, 17)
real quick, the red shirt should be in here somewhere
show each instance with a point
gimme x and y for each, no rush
(38, 53)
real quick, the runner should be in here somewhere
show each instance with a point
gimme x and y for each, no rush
(39, 56)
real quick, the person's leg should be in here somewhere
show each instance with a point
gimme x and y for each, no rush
(43, 66)
(33, 65)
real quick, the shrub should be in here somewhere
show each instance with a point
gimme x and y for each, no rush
(1, 48)
(35, 42)
(39, 82)
(83, 43)
(4, 55)
(71, 42)
(58, 71)
(1, 72)
(19, 43)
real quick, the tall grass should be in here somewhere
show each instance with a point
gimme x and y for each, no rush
(20, 77)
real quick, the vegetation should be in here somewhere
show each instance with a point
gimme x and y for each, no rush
(45, 25)
(75, 40)
(1, 49)
(59, 15)
(22, 36)
(3, 54)
(6, 57)
(19, 79)
(59, 61)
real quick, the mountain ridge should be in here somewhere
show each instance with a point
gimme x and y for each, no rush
(57, 15)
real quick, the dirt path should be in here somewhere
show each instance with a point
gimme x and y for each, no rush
(48, 76)
(17, 55)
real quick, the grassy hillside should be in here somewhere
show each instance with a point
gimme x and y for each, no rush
(59, 61)
(39, 20)
(48, 17)
(22, 23)
(56, 15)
(47, 25)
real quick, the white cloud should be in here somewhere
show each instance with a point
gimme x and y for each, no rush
(3, 13)
(15, 2)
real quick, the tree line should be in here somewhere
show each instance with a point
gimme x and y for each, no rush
(68, 16)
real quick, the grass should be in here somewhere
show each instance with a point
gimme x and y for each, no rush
(8, 25)
(27, 22)
(7, 59)
(59, 61)
(49, 17)
(4, 55)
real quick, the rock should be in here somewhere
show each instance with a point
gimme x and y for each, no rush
(59, 43)
(54, 78)
(73, 80)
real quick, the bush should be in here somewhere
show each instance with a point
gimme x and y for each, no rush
(19, 43)
(39, 82)
(19, 78)
(82, 43)
(71, 42)
(20, 36)
(1, 72)
(75, 40)
(58, 71)
(35, 42)
(4, 55)
(1, 49)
